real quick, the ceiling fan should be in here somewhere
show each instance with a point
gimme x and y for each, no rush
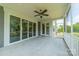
(41, 13)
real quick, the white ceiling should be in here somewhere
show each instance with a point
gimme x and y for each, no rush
(55, 10)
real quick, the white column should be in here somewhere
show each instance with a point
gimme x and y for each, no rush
(55, 28)
(20, 29)
(36, 28)
(28, 29)
(51, 29)
(41, 28)
(45, 29)
(65, 28)
(6, 28)
(71, 22)
(32, 28)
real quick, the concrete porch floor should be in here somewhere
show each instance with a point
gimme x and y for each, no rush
(41, 46)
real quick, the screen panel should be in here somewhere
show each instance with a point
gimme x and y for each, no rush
(75, 21)
(68, 23)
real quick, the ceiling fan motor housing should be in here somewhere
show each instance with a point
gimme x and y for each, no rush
(41, 13)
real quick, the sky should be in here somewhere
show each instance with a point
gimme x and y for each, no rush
(60, 21)
(75, 14)
(76, 19)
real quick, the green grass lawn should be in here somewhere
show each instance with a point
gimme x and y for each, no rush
(76, 34)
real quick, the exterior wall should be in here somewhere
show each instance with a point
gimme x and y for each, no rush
(71, 40)
(6, 25)
(9, 12)
(1, 26)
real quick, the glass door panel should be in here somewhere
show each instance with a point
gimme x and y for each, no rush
(24, 28)
(43, 28)
(30, 29)
(34, 29)
(39, 28)
(47, 28)
(14, 29)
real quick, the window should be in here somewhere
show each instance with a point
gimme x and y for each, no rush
(47, 28)
(43, 28)
(34, 29)
(39, 28)
(24, 28)
(30, 29)
(14, 29)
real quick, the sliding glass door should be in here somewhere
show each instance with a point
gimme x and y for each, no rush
(14, 29)
(47, 28)
(24, 28)
(39, 28)
(30, 29)
(43, 28)
(34, 29)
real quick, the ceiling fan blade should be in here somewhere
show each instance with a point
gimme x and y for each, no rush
(44, 11)
(45, 14)
(36, 11)
(36, 15)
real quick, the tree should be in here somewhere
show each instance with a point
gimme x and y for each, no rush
(76, 27)
(60, 29)
(68, 29)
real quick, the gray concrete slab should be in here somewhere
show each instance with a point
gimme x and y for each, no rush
(42, 46)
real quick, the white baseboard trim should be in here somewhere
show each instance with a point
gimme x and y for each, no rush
(20, 41)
